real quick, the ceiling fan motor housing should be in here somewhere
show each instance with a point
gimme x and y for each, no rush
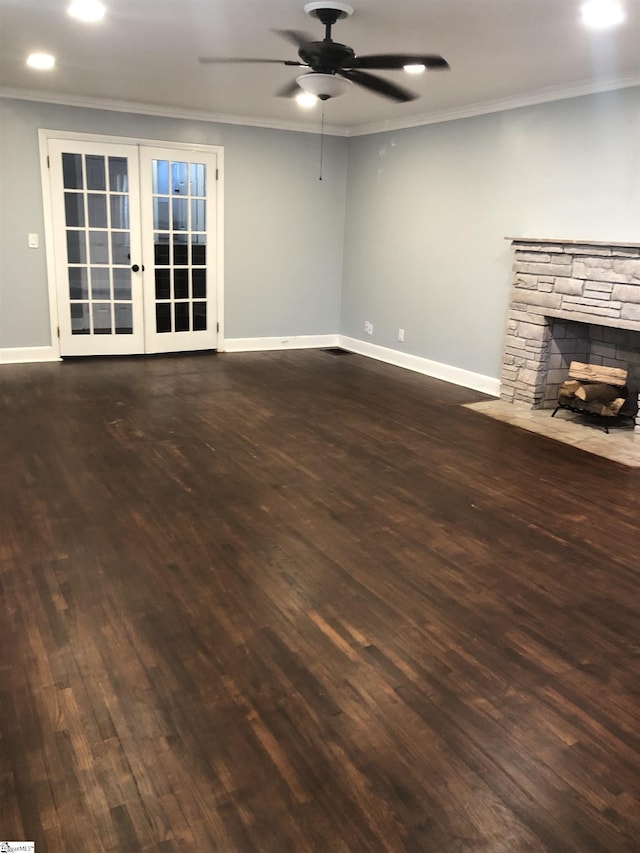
(327, 57)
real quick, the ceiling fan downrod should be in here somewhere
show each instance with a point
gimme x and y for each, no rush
(328, 17)
(328, 13)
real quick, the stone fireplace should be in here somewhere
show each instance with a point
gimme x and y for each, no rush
(571, 301)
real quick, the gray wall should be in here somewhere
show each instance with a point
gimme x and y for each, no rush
(428, 209)
(283, 227)
(427, 212)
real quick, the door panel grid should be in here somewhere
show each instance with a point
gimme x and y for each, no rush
(96, 203)
(180, 245)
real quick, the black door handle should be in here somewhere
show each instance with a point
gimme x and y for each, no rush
(136, 268)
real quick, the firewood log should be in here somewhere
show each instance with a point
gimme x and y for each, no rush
(599, 391)
(597, 373)
(615, 405)
(568, 388)
(595, 407)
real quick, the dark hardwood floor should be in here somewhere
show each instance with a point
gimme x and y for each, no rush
(294, 602)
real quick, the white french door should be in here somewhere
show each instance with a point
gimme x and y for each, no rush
(96, 219)
(178, 248)
(134, 231)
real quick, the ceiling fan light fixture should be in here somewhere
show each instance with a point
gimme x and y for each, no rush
(89, 11)
(306, 100)
(323, 86)
(41, 61)
(414, 69)
(601, 14)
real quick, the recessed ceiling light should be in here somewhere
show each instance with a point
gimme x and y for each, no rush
(306, 100)
(414, 69)
(41, 61)
(600, 14)
(90, 11)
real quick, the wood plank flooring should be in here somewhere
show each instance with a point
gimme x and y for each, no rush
(300, 602)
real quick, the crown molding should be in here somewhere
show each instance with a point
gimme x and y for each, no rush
(163, 112)
(540, 96)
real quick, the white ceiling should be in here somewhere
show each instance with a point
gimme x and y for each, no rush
(501, 52)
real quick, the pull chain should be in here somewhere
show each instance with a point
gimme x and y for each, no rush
(321, 140)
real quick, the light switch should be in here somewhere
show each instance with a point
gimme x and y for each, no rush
(33, 241)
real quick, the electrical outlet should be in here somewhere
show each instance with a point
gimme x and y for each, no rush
(368, 327)
(400, 334)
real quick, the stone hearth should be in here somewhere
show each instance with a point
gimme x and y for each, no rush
(570, 301)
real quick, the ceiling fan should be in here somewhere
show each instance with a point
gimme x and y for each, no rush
(334, 67)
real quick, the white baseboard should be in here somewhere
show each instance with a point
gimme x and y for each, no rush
(25, 355)
(279, 343)
(446, 372)
(455, 375)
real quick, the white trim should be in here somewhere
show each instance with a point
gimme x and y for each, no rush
(282, 342)
(446, 372)
(27, 355)
(136, 108)
(128, 140)
(219, 237)
(49, 242)
(542, 96)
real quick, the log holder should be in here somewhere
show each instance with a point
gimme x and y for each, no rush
(602, 420)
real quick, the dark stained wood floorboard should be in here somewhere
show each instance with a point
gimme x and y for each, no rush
(299, 602)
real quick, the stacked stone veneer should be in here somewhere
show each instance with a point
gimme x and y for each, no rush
(556, 284)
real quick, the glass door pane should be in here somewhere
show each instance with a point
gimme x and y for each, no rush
(179, 224)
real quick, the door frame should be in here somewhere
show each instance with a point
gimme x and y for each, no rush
(44, 135)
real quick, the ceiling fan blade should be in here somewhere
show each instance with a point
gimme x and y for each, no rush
(391, 61)
(218, 60)
(380, 86)
(295, 37)
(289, 90)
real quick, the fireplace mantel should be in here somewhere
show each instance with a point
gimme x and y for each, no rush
(547, 241)
(589, 282)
